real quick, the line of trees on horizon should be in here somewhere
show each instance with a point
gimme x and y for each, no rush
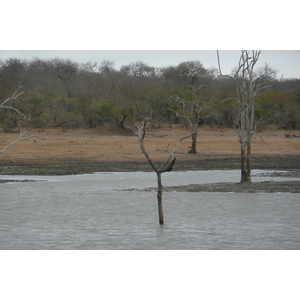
(63, 93)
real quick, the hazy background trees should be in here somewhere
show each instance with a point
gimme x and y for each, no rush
(61, 92)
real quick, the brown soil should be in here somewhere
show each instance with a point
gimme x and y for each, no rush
(110, 149)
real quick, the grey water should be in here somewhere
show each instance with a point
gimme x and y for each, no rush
(110, 211)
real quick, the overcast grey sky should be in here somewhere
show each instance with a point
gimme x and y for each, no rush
(167, 25)
(287, 62)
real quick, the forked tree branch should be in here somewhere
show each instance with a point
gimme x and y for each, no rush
(140, 132)
(24, 136)
(172, 152)
(13, 97)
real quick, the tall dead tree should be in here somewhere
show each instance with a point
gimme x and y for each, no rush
(140, 132)
(248, 83)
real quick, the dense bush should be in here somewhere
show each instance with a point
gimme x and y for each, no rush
(63, 93)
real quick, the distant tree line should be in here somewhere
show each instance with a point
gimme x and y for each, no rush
(63, 93)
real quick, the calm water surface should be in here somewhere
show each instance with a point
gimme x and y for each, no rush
(94, 211)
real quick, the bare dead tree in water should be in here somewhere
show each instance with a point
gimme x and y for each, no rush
(248, 83)
(140, 132)
(24, 135)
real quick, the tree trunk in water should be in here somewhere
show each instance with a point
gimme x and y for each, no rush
(246, 162)
(194, 144)
(159, 199)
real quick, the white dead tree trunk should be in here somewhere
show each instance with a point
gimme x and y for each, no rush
(248, 84)
(24, 135)
(140, 132)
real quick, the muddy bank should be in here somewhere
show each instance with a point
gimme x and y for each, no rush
(16, 180)
(270, 186)
(256, 187)
(289, 163)
(222, 162)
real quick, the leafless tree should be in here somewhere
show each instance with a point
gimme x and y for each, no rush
(88, 67)
(62, 68)
(192, 106)
(193, 97)
(24, 135)
(7, 103)
(248, 83)
(138, 69)
(106, 67)
(140, 132)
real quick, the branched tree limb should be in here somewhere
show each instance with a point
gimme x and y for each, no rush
(15, 95)
(192, 106)
(140, 132)
(248, 83)
(171, 152)
(24, 136)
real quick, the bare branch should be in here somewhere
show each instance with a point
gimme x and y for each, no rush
(259, 136)
(13, 97)
(140, 132)
(181, 116)
(24, 136)
(248, 83)
(172, 152)
(178, 142)
(219, 64)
